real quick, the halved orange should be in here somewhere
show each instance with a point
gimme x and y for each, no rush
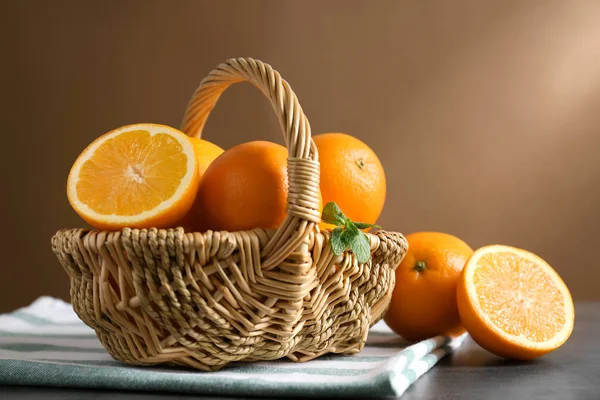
(513, 303)
(139, 176)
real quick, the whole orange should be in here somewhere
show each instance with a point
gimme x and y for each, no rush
(424, 299)
(245, 187)
(206, 152)
(351, 176)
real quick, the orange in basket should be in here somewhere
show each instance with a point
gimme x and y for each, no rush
(351, 176)
(244, 188)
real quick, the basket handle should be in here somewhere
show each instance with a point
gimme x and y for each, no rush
(303, 211)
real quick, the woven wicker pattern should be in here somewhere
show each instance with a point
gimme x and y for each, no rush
(203, 300)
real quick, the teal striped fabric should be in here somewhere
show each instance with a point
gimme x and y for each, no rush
(45, 344)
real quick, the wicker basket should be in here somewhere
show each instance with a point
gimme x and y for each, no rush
(203, 300)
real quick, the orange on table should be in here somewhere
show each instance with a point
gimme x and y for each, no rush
(351, 176)
(424, 298)
(139, 176)
(246, 187)
(513, 303)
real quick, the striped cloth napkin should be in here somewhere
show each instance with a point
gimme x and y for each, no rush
(45, 344)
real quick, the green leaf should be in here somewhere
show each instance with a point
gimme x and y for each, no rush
(338, 244)
(359, 243)
(347, 237)
(364, 225)
(333, 215)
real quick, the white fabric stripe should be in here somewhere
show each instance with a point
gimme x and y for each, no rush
(52, 309)
(56, 355)
(278, 377)
(397, 363)
(11, 324)
(91, 343)
(23, 327)
(419, 367)
(83, 356)
(8, 321)
(457, 342)
(400, 383)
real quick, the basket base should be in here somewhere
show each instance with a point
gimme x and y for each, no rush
(203, 300)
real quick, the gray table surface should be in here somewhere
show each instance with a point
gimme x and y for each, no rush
(571, 372)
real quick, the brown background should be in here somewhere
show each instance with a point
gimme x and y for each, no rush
(486, 115)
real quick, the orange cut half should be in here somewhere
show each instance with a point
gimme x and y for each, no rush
(138, 176)
(513, 303)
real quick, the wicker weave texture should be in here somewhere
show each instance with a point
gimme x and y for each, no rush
(203, 300)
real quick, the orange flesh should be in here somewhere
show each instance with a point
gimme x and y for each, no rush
(519, 296)
(132, 173)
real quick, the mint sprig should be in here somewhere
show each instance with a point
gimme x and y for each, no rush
(347, 234)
